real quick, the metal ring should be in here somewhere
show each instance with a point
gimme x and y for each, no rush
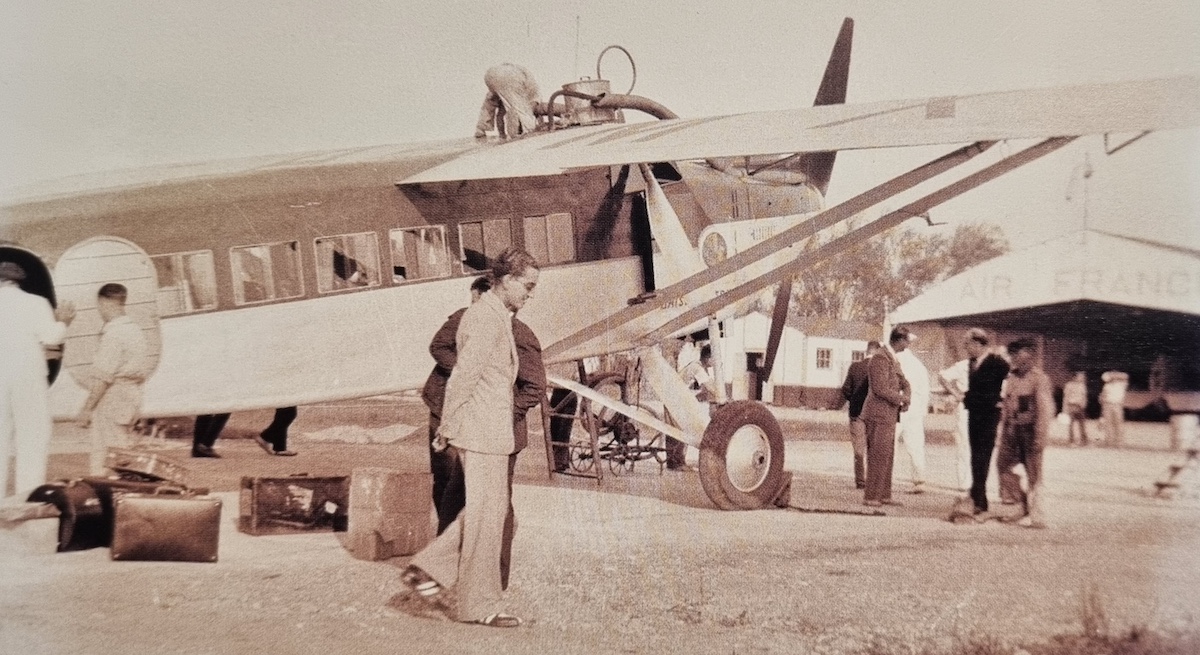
(628, 56)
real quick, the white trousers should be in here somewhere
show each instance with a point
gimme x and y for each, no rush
(962, 448)
(911, 431)
(25, 429)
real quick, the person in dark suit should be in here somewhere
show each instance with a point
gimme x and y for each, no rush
(982, 402)
(888, 393)
(854, 390)
(442, 461)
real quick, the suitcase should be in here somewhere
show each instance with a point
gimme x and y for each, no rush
(137, 464)
(107, 489)
(165, 527)
(81, 523)
(391, 513)
(293, 504)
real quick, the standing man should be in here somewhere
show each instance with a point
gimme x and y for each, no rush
(912, 420)
(274, 437)
(444, 461)
(888, 394)
(477, 423)
(954, 381)
(205, 432)
(1027, 412)
(982, 401)
(122, 363)
(1075, 407)
(27, 325)
(1112, 406)
(854, 390)
(698, 376)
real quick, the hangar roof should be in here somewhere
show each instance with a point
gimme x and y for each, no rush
(1088, 266)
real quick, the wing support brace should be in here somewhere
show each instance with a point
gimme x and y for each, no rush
(839, 245)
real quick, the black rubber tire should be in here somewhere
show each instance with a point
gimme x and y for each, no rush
(762, 480)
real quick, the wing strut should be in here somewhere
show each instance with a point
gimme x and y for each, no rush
(783, 298)
(880, 225)
(676, 294)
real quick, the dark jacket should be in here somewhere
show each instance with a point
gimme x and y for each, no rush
(444, 356)
(530, 388)
(983, 384)
(888, 390)
(854, 389)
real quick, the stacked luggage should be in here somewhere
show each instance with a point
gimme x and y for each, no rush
(145, 511)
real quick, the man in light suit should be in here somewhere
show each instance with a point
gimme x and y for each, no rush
(888, 394)
(477, 420)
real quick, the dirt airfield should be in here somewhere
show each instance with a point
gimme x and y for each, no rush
(641, 562)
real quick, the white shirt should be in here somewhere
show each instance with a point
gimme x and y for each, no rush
(26, 325)
(918, 381)
(958, 375)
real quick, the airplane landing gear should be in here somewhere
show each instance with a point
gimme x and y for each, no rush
(741, 457)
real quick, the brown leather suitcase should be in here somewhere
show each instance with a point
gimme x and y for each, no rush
(391, 513)
(145, 466)
(108, 489)
(165, 527)
(293, 504)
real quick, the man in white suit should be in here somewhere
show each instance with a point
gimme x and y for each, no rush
(477, 421)
(911, 430)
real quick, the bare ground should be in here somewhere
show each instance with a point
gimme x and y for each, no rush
(640, 563)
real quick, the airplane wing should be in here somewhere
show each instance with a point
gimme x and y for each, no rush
(1159, 104)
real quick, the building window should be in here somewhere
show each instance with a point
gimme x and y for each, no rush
(482, 241)
(824, 358)
(270, 271)
(858, 355)
(550, 239)
(347, 261)
(187, 282)
(419, 253)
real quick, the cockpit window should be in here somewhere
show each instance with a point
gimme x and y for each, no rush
(187, 282)
(347, 261)
(265, 272)
(419, 253)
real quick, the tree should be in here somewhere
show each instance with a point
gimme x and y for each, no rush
(870, 279)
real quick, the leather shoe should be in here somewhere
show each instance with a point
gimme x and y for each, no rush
(204, 451)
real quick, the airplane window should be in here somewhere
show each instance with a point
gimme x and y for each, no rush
(824, 357)
(187, 282)
(348, 261)
(483, 240)
(550, 239)
(266, 272)
(419, 253)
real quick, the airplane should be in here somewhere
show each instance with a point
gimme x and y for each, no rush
(290, 280)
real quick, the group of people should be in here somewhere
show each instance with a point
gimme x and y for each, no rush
(488, 374)
(29, 327)
(1003, 405)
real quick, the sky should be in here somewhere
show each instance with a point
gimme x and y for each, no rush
(88, 87)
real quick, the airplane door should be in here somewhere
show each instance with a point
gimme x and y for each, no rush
(80, 273)
(38, 282)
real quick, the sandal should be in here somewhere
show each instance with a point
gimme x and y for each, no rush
(501, 620)
(419, 582)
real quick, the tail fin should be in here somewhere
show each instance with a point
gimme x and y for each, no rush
(818, 166)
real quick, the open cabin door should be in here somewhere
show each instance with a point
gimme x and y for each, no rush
(80, 273)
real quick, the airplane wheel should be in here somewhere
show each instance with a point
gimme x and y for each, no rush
(741, 456)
